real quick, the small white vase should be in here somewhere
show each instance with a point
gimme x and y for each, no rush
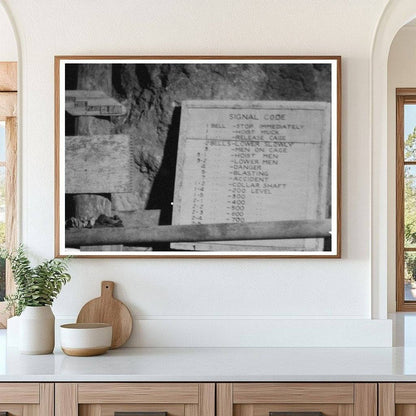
(37, 330)
(13, 331)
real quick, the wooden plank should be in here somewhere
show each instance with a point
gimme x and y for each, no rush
(74, 95)
(27, 393)
(8, 105)
(400, 304)
(344, 410)
(104, 107)
(293, 393)
(196, 232)
(138, 393)
(386, 399)
(246, 410)
(11, 206)
(405, 393)
(237, 409)
(66, 399)
(92, 103)
(47, 399)
(406, 91)
(98, 164)
(8, 76)
(170, 409)
(224, 399)
(90, 410)
(31, 410)
(405, 410)
(365, 399)
(191, 410)
(207, 399)
(11, 195)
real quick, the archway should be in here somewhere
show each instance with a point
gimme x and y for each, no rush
(396, 14)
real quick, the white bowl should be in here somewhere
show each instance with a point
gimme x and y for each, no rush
(83, 340)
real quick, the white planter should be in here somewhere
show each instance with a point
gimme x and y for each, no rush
(13, 331)
(37, 330)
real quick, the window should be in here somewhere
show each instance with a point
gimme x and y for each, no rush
(8, 163)
(2, 206)
(406, 199)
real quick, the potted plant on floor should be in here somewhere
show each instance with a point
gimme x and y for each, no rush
(36, 289)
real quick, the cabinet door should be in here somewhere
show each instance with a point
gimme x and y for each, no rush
(297, 399)
(26, 399)
(397, 399)
(144, 399)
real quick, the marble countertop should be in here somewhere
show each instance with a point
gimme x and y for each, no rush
(213, 364)
(222, 364)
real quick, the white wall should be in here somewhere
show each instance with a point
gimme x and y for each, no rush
(8, 47)
(179, 302)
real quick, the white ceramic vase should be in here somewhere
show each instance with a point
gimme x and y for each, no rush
(37, 330)
(13, 331)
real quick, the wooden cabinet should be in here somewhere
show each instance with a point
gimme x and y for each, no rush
(208, 399)
(263, 399)
(27, 399)
(397, 399)
(106, 399)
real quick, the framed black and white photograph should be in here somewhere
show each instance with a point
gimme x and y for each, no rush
(198, 156)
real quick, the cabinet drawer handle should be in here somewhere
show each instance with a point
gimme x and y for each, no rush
(296, 414)
(137, 414)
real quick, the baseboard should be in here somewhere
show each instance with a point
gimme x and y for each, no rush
(247, 332)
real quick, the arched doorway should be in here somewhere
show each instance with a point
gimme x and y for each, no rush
(396, 14)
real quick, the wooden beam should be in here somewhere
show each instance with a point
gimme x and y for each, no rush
(19, 393)
(11, 195)
(8, 105)
(365, 399)
(406, 91)
(258, 393)
(92, 103)
(47, 399)
(201, 232)
(207, 399)
(100, 163)
(66, 399)
(386, 399)
(8, 76)
(225, 399)
(11, 206)
(109, 393)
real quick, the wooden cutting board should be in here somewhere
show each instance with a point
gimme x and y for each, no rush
(107, 309)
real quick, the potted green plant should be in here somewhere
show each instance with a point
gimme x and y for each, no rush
(36, 289)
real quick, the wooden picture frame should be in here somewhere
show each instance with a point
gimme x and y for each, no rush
(198, 156)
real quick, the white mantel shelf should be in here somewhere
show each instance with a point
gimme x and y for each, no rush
(214, 365)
